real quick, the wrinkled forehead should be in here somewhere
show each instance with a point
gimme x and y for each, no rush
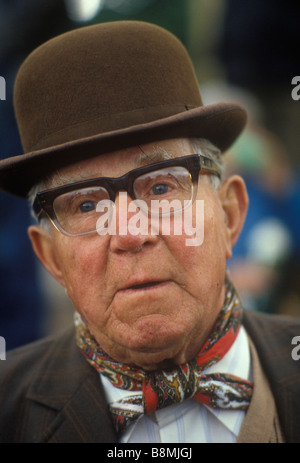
(119, 162)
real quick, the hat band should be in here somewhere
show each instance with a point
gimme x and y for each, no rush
(108, 123)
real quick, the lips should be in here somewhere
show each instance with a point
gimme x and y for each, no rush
(144, 285)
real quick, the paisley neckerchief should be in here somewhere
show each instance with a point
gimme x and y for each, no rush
(158, 389)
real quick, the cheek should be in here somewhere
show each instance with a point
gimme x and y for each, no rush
(83, 268)
(203, 265)
(209, 246)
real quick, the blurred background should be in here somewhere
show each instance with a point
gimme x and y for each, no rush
(243, 51)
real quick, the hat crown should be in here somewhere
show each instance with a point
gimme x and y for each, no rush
(108, 87)
(99, 79)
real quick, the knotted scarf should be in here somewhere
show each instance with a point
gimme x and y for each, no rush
(158, 389)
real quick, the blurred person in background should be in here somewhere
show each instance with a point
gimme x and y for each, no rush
(266, 259)
(265, 262)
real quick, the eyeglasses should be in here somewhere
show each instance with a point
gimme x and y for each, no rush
(73, 210)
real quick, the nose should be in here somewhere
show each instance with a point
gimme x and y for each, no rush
(133, 229)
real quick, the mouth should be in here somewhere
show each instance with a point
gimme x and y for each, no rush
(148, 285)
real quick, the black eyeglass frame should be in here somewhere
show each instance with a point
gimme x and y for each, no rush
(194, 163)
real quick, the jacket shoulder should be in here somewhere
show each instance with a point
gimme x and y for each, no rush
(273, 337)
(25, 375)
(22, 364)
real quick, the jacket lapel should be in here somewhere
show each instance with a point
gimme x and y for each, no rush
(84, 418)
(77, 402)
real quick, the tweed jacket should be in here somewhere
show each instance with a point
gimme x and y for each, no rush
(49, 392)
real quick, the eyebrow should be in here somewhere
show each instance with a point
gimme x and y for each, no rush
(58, 179)
(159, 155)
(144, 159)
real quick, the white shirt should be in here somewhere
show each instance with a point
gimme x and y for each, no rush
(190, 421)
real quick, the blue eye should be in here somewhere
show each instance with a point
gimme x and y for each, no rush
(160, 189)
(87, 206)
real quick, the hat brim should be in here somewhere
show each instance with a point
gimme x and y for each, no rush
(219, 123)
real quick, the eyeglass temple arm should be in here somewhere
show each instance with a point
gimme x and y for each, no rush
(37, 207)
(209, 166)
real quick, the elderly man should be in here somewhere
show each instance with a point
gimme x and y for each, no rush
(115, 133)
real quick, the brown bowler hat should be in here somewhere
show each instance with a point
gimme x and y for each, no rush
(105, 87)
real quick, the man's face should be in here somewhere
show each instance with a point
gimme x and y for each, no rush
(149, 299)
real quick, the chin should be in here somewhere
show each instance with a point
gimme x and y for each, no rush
(162, 359)
(152, 350)
(153, 334)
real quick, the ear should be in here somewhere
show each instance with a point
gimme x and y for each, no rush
(234, 198)
(43, 246)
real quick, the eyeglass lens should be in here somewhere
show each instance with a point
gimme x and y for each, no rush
(76, 211)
